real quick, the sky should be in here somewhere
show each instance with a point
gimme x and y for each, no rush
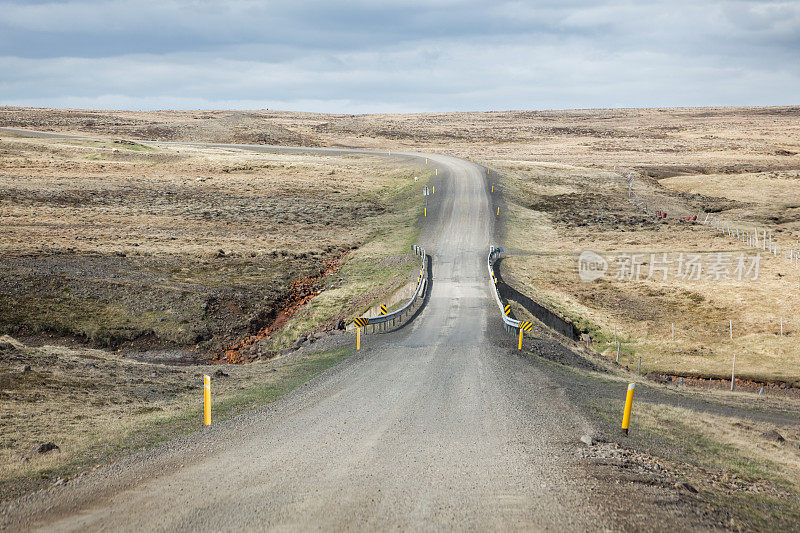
(390, 56)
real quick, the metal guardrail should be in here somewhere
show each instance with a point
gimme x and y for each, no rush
(397, 315)
(510, 324)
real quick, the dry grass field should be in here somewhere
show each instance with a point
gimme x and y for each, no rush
(128, 245)
(554, 217)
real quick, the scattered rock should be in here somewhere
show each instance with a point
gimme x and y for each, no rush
(26, 368)
(587, 439)
(319, 334)
(46, 447)
(340, 324)
(286, 351)
(59, 481)
(682, 485)
(299, 341)
(773, 436)
(220, 373)
(10, 344)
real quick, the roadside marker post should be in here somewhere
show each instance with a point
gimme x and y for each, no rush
(498, 211)
(492, 189)
(207, 399)
(523, 326)
(358, 338)
(626, 414)
(436, 172)
(383, 309)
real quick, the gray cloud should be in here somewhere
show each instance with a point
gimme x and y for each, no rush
(398, 56)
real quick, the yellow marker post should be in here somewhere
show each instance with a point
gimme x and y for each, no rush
(425, 212)
(433, 189)
(626, 415)
(520, 339)
(492, 189)
(487, 171)
(358, 338)
(498, 211)
(207, 399)
(436, 172)
(426, 160)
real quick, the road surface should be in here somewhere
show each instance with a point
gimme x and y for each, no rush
(431, 427)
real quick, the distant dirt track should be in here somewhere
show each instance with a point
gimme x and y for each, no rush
(430, 427)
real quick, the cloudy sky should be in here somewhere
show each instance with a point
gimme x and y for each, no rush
(390, 56)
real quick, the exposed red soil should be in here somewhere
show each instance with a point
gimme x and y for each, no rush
(300, 292)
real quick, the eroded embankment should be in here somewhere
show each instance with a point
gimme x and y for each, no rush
(744, 383)
(540, 312)
(271, 319)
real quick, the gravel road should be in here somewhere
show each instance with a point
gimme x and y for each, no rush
(431, 427)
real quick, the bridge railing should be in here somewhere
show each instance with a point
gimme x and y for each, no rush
(396, 317)
(510, 324)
